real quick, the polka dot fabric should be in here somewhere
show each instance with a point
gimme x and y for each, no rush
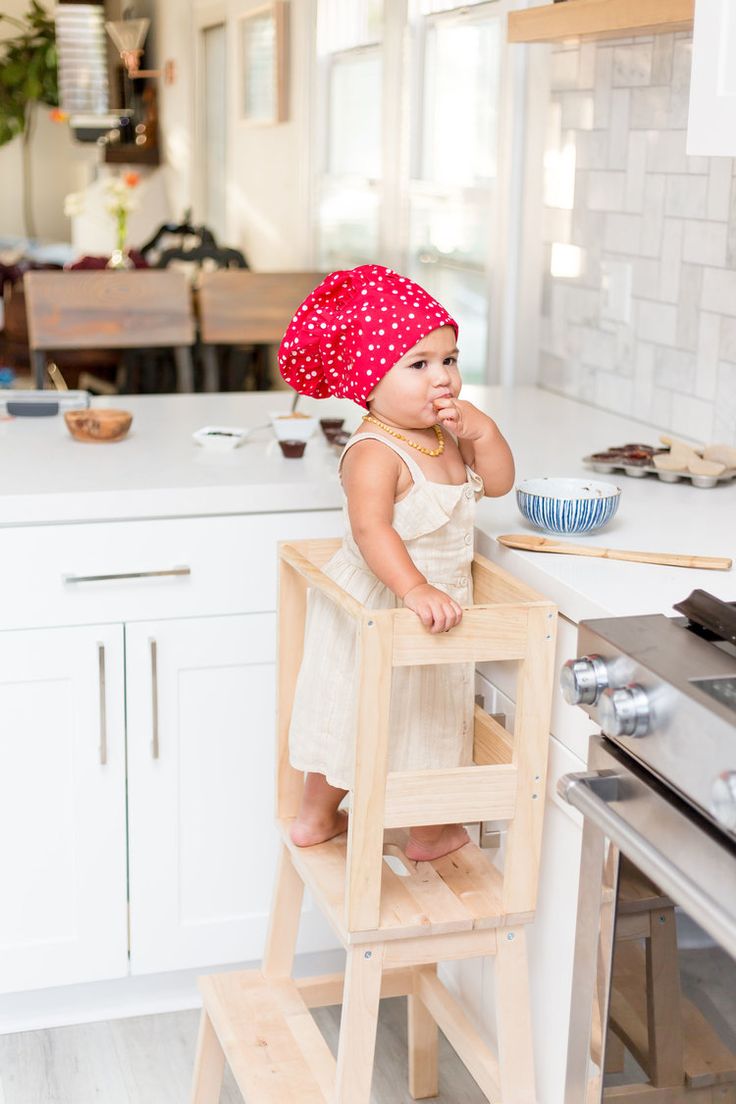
(353, 328)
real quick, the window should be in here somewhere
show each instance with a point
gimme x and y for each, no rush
(349, 50)
(452, 192)
(417, 141)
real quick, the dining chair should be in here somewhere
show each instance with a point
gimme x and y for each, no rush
(239, 308)
(110, 310)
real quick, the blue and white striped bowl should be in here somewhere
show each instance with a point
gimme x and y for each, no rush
(567, 505)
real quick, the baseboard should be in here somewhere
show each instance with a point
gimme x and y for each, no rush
(146, 995)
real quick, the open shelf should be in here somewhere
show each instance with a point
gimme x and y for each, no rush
(576, 19)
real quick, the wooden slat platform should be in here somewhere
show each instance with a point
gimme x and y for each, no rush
(460, 892)
(273, 1046)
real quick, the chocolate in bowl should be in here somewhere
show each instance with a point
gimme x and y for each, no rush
(292, 449)
(605, 457)
(331, 426)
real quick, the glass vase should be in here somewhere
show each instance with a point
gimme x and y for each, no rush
(119, 258)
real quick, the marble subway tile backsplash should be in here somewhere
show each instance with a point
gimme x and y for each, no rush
(639, 316)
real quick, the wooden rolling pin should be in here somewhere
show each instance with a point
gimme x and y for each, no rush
(529, 543)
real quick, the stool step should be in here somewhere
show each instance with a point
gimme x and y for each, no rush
(706, 1059)
(273, 1046)
(459, 892)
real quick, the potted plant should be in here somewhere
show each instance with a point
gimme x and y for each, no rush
(28, 77)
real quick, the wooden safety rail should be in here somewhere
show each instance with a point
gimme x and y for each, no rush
(397, 923)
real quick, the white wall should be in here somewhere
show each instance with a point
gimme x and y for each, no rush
(58, 165)
(645, 324)
(268, 174)
(267, 169)
(171, 38)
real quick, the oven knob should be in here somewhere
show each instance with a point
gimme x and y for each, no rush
(723, 799)
(624, 711)
(582, 680)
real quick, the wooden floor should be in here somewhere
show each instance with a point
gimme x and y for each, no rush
(149, 1059)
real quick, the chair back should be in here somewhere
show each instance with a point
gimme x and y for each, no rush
(250, 308)
(108, 310)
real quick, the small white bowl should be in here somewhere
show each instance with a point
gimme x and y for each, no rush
(567, 505)
(289, 428)
(220, 438)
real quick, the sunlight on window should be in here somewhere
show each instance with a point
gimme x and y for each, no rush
(348, 219)
(566, 260)
(355, 84)
(559, 177)
(345, 24)
(460, 108)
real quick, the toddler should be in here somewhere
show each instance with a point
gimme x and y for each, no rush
(411, 475)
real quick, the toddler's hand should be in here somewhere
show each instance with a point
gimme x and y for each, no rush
(435, 609)
(462, 418)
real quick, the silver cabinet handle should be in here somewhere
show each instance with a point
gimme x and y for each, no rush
(185, 570)
(154, 697)
(103, 703)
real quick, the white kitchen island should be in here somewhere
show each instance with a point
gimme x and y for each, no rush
(137, 736)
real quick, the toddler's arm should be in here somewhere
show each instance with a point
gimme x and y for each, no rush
(370, 474)
(482, 445)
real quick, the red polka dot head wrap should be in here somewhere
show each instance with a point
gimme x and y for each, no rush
(353, 328)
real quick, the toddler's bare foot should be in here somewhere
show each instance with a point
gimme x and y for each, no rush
(424, 846)
(306, 831)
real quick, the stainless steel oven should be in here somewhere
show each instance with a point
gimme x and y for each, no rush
(654, 982)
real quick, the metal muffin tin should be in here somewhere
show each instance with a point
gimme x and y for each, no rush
(638, 471)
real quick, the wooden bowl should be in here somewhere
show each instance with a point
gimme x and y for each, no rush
(98, 424)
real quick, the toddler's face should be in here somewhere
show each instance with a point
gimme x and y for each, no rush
(426, 372)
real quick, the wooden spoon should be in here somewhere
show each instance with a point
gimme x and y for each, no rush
(529, 543)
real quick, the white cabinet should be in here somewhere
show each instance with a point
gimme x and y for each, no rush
(62, 807)
(146, 570)
(712, 121)
(203, 846)
(194, 861)
(552, 935)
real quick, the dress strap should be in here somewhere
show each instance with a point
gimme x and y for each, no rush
(416, 472)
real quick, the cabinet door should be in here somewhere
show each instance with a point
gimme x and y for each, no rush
(62, 807)
(203, 846)
(712, 123)
(552, 935)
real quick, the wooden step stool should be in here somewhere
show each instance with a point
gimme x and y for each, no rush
(396, 929)
(666, 1033)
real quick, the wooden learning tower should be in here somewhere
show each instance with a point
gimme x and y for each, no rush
(396, 929)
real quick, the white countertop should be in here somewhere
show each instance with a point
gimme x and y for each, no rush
(157, 471)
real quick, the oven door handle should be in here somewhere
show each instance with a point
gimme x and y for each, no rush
(590, 793)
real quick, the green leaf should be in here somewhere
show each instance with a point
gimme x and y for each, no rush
(12, 74)
(28, 68)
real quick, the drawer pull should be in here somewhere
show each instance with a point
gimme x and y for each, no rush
(154, 697)
(103, 704)
(126, 575)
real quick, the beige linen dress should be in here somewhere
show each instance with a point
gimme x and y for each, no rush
(431, 717)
